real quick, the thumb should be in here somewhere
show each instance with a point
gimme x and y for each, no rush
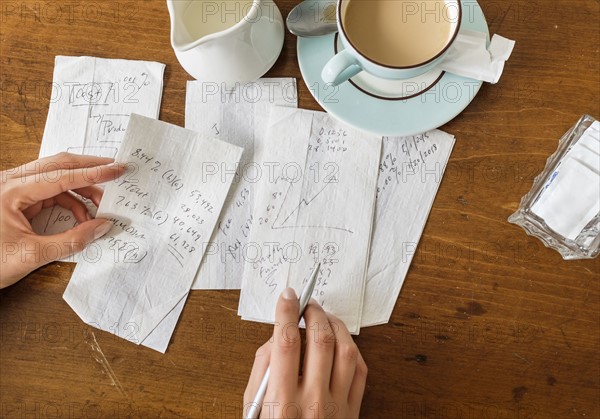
(76, 239)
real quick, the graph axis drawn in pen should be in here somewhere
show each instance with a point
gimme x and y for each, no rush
(306, 203)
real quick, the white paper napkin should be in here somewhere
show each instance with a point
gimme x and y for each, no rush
(571, 198)
(469, 57)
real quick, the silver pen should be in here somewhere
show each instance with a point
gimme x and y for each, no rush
(255, 408)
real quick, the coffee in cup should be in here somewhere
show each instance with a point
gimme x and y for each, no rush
(393, 39)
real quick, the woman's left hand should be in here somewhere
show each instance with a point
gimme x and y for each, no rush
(43, 183)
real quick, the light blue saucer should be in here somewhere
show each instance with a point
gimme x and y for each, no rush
(386, 107)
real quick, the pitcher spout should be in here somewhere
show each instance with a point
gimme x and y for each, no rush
(181, 39)
(226, 40)
(195, 22)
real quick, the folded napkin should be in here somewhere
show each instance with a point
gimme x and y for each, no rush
(469, 57)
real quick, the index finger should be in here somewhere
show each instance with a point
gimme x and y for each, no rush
(38, 188)
(56, 162)
(285, 352)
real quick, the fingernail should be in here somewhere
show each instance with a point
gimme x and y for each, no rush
(289, 294)
(115, 165)
(102, 229)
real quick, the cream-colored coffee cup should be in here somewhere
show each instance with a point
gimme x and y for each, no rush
(392, 39)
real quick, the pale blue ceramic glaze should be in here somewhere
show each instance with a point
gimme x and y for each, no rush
(430, 110)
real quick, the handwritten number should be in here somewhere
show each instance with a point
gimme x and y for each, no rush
(146, 82)
(157, 164)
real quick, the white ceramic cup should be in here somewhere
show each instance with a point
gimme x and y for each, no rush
(351, 61)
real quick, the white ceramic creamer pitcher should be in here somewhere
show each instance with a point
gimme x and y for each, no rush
(226, 40)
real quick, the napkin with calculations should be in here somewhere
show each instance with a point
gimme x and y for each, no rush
(92, 99)
(163, 210)
(410, 173)
(238, 115)
(316, 205)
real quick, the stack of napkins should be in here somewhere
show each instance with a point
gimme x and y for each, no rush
(311, 189)
(252, 195)
(571, 198)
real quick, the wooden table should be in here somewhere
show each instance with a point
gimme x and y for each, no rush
(489, 324)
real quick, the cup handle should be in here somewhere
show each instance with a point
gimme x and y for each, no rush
(340, 68)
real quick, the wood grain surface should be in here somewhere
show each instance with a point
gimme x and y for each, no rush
(489, 324)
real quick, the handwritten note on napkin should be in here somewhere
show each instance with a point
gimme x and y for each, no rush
(238, 116)
(164, 210)
(411, 170)
(314, 203)
(92, 99)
